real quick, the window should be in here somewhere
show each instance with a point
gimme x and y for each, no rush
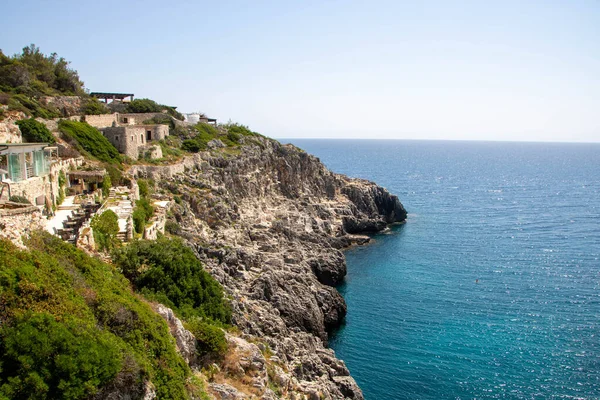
(142, 138)
(148, 135)
(117, 138)
(125, 120)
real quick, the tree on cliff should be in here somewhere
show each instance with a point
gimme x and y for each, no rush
(34, 74)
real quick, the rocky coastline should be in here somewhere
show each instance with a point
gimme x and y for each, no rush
(269, 222)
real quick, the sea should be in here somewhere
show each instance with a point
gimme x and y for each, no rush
(491, 290)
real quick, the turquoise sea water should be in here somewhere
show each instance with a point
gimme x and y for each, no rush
(492, 288)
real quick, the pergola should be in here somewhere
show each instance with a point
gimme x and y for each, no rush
(106, 96)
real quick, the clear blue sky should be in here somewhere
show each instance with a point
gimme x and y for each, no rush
(489, 70)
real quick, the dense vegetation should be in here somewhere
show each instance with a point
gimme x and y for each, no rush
(88, 140)
(106, 228)
(26, 77)
(93, 106)
(167, 271)
(230, 134)
(150, 106)
(34, 74)
(35, 132)
(71, 327)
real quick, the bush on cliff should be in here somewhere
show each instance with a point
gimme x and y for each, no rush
(210, 339)
(35, 132)
(150, 106)
(167, 271)
(90, 141)
(48, 358)
(106, 228)
(93, 106)
(34, 74)
(71, 327)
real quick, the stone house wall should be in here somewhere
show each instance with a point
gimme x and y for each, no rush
(138, 118)
(101, 121)
(126, 139)
(133, 140)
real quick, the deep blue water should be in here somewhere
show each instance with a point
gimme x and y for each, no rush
(492, 288)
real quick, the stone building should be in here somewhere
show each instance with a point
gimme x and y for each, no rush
(136, 140)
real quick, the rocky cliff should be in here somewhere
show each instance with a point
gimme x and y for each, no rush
(270, 221)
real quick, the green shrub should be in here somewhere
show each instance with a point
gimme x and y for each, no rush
(192, 145)
(19, 199)
(233, 137)
(139, 219)
(32, 107)
(168, 271)
(115, 174)
(62, 180)
(144, 187)
(89, 140)
(34, 131)
(145, 205)
(34, 74)
(150, 106)
(106, 228)
(210, 339)
(46, 358)
(143, 106)
(94, 312)
(172, 227)
(106, 185)
(93, 106)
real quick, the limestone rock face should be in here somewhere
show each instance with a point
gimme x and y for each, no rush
(268, 224)
(184, 339)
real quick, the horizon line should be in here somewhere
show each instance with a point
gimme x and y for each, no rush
(440, 140)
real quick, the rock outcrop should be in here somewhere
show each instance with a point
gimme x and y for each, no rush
(269, 224)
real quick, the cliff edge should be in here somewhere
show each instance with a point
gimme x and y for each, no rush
(269, 222)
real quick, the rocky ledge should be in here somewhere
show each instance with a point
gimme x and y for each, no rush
(269, 221)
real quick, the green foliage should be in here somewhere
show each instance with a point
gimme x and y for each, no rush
(206, 133)
(97, 324)
(144, 106)
(93, 106)
(90, 141)
(144, 187)
(142, 213)
(193, 146)
(116, 176)
(48, 358)
(168, 271)
(34, 74)
(161, 119)
(139, 219)
(62, 180)
(31, 106)
(34, 131)
(145, 205)
(150, 106)
(19, 199)
(106, 185)
(106, 227)
(239, 130)
(172, 227)
(210, 339)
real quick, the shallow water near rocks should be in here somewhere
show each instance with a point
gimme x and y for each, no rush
(492, 288)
